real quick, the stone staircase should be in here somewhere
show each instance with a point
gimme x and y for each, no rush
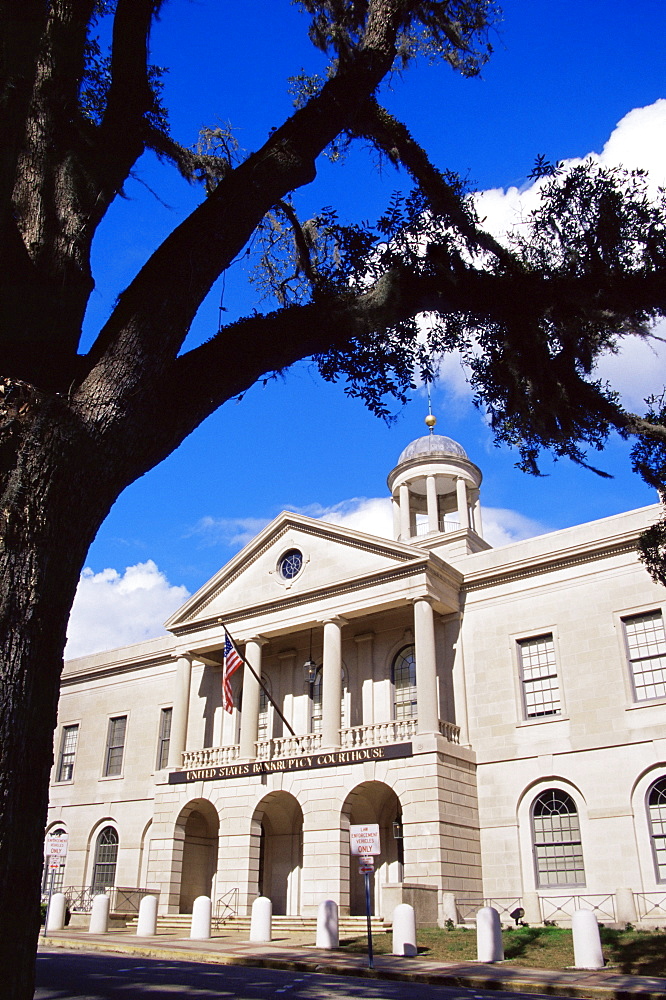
(179, 923)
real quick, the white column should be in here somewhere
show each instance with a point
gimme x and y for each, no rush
(463, 509)
(332, 683)
(426, 666)
(431, 501)
(476, 516)
(396, 517)
(181, 710)
(459, 679)
(405, 530)
(365, 675)
(250, 711)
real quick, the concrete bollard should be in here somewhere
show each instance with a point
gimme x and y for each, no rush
(328, 935)
(489, 946)
(625, 906)
(99, 916)
(262, 917)
(55, 918)
(404, 930)
(586, 940)
(201, 914)
(147, 923)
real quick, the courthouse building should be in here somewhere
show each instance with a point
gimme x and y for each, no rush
(499, 712)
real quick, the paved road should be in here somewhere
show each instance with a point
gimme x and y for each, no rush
(63, 975)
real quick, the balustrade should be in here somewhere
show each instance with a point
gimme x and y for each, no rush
(372, 735)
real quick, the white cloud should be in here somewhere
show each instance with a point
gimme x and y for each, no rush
(372, 515)
(114, 609)
(234, 532)
(502, 526)
(639, 368)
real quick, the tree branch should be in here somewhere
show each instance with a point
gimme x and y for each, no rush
(393, 139)
(120, 136)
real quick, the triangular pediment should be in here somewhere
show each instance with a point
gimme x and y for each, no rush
(330, 554)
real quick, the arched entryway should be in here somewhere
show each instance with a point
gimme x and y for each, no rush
(198, 826)
(277, 824)
(374, 802)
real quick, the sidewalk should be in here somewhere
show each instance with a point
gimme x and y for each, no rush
(298, 954)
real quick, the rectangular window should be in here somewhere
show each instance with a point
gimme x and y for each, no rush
(70, 735)
(541, 687)
(164, 738)
(115, 745)
(646, 644)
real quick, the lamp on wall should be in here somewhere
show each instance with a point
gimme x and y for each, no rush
(310, 667)
(397, 829)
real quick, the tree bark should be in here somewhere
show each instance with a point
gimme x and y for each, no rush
(56, 491)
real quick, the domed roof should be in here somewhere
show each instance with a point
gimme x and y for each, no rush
(436, 445)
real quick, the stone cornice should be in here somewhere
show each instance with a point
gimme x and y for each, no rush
(123, 666)
(392, 573)
(549, 562)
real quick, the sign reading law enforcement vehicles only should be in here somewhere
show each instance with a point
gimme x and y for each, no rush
(307, 762)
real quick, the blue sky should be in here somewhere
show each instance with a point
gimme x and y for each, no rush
(563, 75)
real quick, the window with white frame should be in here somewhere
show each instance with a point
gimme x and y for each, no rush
(164, 738)
(656, 803)
(115, 746)
(106, 858)
(404, 684)
(646, 647)
(558, 850)
(68, 741)
(538, 674)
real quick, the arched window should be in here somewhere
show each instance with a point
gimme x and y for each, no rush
(657, 817)
(404, 684)
(106, 856)
(316, 711)
(54, 878)
(558, 852)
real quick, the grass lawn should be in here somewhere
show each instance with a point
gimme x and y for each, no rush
(638, 952)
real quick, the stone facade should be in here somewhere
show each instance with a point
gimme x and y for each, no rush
(499, 713)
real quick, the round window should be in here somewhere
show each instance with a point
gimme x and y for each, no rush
(290, 564)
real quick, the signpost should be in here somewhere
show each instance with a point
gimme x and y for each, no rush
(364, 842)
(56, 851)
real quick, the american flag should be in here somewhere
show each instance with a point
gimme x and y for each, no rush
(232, 661)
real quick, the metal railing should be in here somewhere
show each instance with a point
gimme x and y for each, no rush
(423, 527)
(563, 907)
(226, 906)
(650, 905)
(124, 899)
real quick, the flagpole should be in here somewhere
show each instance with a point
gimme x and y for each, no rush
(259, 680)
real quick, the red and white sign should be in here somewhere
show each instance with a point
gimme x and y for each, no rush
(366, 865)
(56, 847)
(364, 840)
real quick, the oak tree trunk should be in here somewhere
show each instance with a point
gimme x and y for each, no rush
(55, 492)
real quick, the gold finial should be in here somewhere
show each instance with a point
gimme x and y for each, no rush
(431, 420)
